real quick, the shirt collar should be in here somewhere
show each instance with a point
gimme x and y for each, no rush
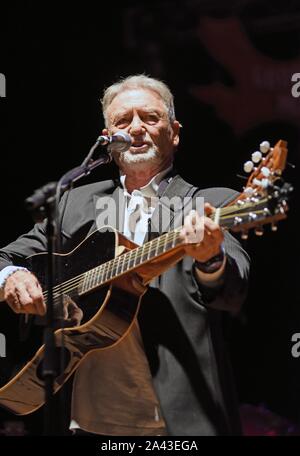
(149, 190)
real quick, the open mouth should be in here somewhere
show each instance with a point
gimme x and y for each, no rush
(139, 147)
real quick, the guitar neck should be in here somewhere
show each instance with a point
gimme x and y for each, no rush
(151, 250)
(129, 261)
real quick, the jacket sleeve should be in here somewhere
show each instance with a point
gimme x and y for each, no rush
(35, 241)
(30, 243)
(229, 292)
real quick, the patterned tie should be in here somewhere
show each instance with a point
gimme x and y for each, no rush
(135, 214)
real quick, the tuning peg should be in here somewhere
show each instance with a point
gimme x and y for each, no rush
(257, 182)
(256, 156)
(249, 191)
(265, 171)
(244, 235)
(252, 216)
(248, 166)
(259, 231)
(237, 220)
(265, 183)
(282, 210)
(264, 147)
(273, 227)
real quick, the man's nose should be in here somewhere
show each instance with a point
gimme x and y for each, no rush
(136, 126)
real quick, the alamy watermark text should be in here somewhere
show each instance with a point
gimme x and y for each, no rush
(2, 85)
(296, 87)
(2, 346)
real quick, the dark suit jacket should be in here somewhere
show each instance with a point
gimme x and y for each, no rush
(180, 320)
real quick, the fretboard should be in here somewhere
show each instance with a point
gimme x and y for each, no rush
(128, 261)
(226, 217)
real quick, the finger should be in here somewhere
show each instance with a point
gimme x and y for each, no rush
(195, 227)
(209, 209)
(193, 216)
(14, 304)
(212, 226)
(189, 231)
(35, 292)
(23, 295)
(190, 221)
(212, 241)
(76, 315)
(18, 298)
(27, 304)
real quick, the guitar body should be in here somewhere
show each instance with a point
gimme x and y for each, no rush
(104, 316)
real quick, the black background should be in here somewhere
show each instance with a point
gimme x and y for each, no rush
(57, 60)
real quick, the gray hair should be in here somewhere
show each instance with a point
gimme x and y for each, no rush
(136, 82)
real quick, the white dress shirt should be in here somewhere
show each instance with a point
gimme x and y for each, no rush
(140, 205)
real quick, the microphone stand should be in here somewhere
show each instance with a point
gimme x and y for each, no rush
(44, 202)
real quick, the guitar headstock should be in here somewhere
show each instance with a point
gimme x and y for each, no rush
(264, 198)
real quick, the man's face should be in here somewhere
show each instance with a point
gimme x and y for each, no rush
(143, 115)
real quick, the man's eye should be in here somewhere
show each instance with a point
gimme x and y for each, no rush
(151, 118)
(121, 122)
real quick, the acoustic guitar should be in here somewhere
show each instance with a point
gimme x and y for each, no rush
(104, 278)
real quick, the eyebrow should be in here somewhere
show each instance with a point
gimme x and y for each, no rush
(145, 109)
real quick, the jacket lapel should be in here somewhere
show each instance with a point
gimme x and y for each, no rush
(172, 207)
(109, 210)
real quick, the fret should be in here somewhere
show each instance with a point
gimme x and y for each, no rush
(145, 252)
(114, 265)
(98, 275)
(109, 271)
(168, 244)
(124, 258)
(119, 264)
(91, 278)
(101, 273)
(126, 261)
(164, 247)
(131, 259)
(81, 284)
(156, 250)
(94, 277)
(88, 280)
(151, 251)
(175, 239)
(84, 284)
(105, 271)
(135, 253)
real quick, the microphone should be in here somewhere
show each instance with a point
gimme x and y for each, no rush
(119, 142)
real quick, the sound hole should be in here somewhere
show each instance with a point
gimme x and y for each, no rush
(62, 358)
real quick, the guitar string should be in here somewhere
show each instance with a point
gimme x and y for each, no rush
(172, 236)
(104, 269)
(110, 267)
(145, 249)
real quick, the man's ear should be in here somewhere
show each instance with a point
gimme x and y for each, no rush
(176, 128)
(105, 132)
